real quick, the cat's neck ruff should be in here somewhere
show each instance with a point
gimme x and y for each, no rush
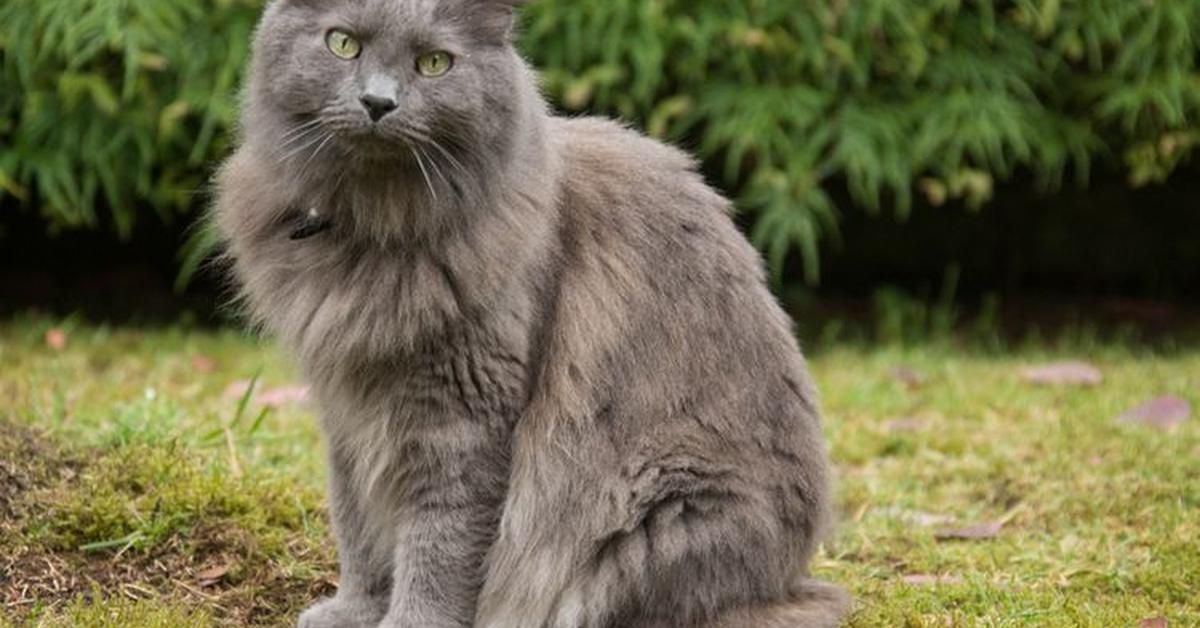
(443, 260)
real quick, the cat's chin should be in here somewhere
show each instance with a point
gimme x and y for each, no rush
(374, 148)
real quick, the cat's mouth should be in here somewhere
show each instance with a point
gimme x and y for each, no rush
(372, 145)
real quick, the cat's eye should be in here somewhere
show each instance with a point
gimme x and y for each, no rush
(435, 64)
(342, 45)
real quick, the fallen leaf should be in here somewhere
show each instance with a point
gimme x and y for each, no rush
(1163, 413)
(907, 424)
(237, 389)
(929, 520)
(921, 580)
(56, 339)
(910, 377)
(212, 575)
(978, 532)
(916, 517)
(282, 396)
(1064, 374)
(274, 398)
(1153, 622)
(203, 364)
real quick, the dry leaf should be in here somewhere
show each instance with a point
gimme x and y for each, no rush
(978, 532)
(1153, 622)
(274, 398)
(929, 520)
(56, 339)
(282, 396)
(921, 580)
(203, 364)
(237, 389)
(911, 378)
(916, 517)
(212, 575)
(1064, 374)
(908, 424)
(1163, 413)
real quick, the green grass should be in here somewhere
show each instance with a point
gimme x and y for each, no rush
(128, 474)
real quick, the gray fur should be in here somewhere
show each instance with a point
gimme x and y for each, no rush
(555, 390)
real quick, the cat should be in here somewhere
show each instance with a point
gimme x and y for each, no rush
(554, 387)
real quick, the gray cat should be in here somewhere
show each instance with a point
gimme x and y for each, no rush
(555, 390)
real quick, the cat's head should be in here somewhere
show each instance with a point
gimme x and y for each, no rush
(380, 81)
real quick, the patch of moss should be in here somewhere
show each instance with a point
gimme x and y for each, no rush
(155, 523)
(122, 613)
(136, 498)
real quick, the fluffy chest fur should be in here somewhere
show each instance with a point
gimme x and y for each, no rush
(415, 348)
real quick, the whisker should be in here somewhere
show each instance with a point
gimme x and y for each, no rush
(295, 137)
(306, 144)
(433, 164)
(323, 144)
(299, 129)
(449, 157)
(337, 185)
(421, 163)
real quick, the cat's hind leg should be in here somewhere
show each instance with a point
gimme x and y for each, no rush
(701, 560)
(813, 604)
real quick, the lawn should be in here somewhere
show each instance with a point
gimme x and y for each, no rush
(140, 485)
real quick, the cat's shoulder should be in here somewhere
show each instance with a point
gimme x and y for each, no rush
(610, 147)
(642, 205)
(623, 173)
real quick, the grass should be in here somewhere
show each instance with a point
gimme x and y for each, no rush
(135, 490)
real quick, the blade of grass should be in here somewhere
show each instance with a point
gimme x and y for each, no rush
(244, 402)
(259, 421)
(123, 542)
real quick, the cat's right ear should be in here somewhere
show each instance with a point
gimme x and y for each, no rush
(494, 19)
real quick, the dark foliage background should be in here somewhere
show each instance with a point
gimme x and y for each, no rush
(1019, 145)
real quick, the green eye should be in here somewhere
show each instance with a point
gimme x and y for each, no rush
(435, 64)
(342, 45)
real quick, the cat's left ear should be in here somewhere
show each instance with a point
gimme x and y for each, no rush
(495, 18)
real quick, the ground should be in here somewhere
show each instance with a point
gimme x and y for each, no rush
(140, 486)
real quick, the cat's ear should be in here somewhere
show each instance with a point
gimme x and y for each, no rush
(494, 19)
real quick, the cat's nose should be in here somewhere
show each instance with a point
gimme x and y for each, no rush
(378, 106)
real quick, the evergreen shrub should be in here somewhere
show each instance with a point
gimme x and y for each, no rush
(126, 104)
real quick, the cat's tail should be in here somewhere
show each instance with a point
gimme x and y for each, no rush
(813, 604)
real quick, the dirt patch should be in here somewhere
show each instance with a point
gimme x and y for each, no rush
(28, 461)
(215, 564)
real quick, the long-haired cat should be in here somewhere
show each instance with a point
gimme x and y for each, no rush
(555, 390)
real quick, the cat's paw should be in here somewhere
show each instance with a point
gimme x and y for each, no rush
(340, 613)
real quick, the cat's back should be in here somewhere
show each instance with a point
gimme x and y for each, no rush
(658, 288)
(643, 201)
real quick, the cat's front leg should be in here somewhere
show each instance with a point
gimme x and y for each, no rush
(364, 558)
(445, 528)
